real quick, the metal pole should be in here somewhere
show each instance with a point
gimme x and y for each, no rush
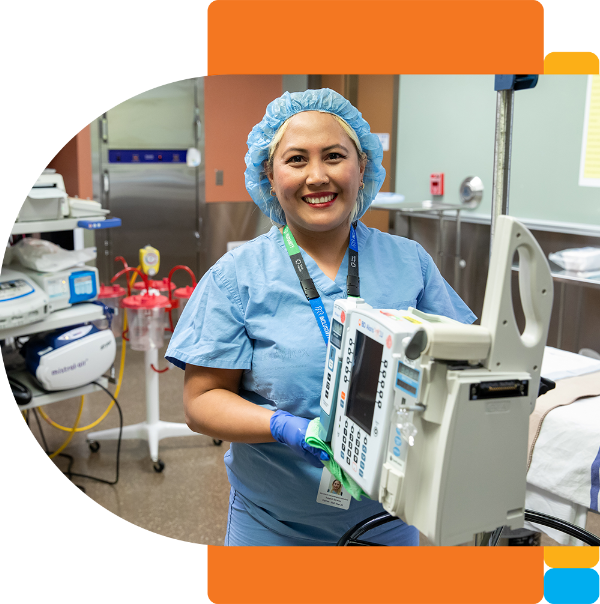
(151, 376)
(500, 189)
(561, 315)
(441, 241)
(457, 259)
(501, 184)
(502, 151)
(578, 332)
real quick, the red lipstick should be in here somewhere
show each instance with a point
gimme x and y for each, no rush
(316, 196)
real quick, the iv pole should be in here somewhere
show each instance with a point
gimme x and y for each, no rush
(505, 86)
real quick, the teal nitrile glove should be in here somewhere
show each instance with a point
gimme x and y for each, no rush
(290, 430)
(313, 439)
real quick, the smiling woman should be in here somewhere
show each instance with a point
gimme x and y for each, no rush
(251, 338)
(266, 137)
(316, 173)
(362, 156)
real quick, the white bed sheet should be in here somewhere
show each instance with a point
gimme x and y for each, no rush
(563, 478)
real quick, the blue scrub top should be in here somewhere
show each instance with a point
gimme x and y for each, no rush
(249, 312)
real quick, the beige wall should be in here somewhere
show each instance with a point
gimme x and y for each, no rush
(74, 163)
(232, 106)
(373, 96)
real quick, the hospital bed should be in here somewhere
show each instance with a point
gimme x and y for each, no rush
(563, 476)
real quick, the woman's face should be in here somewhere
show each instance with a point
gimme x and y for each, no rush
(336, 485)
(316, 172)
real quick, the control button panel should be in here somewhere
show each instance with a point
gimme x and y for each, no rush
(16, 288)
(363, 433)
(57, 287)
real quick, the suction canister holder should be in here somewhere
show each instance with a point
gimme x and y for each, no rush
(145, 313)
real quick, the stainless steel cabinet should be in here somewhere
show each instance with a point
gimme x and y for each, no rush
(156, 194)
(161, 200)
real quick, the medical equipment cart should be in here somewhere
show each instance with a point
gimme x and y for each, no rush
(77, 314)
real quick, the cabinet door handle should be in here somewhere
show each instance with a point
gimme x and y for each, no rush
(104, 128)
(198, 124)
(106, 186)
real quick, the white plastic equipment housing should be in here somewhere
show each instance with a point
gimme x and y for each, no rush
(466, 472)
(77, 363)
(24, 309)
(511, 350)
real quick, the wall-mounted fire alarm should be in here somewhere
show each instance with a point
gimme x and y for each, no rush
(436, 183)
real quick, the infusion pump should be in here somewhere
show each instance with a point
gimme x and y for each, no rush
(430, 416)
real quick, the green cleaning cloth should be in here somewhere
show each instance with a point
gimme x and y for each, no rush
(312, 438)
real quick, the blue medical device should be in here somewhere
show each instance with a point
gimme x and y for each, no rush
(67, 287)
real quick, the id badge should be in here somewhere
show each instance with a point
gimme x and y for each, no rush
(332, 492)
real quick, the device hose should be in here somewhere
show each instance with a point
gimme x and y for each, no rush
(72, 430)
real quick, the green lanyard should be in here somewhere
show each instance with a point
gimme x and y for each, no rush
(308, 287)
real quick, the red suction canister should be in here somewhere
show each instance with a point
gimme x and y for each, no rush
(162, 285)
(112, 296)
(145, 314)
(181, 295)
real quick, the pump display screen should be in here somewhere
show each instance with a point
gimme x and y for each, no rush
(364, 381)
(337, 330)
(407, 379)
(83, 285)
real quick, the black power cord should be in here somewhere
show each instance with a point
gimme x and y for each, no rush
(69, 473)
(351, 536)
(563, 526)
(555, 523)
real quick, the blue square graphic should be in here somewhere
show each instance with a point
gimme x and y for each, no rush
(571, 586)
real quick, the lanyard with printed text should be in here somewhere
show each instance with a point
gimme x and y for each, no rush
(310, 291)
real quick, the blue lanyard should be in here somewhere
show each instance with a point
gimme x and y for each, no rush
(310, 291)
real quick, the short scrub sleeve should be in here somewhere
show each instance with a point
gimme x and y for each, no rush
(211, 330)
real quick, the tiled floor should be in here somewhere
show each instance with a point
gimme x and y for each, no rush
(189, 499)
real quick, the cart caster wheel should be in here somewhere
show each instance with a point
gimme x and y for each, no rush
(94, 446)
(217, 442)
(159, 466)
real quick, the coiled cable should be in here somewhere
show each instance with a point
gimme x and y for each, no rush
(69, 473)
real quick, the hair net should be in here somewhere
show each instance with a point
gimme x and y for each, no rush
(281, 109)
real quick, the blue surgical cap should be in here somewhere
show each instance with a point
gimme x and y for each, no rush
(280, 110)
